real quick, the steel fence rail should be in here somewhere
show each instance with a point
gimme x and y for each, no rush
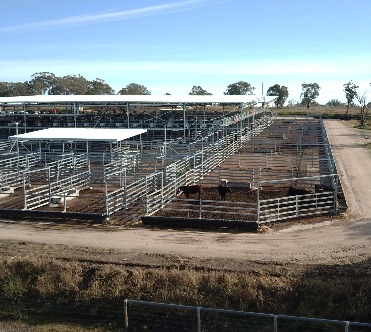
(172, 316)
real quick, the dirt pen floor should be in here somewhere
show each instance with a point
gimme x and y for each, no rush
(273, 154)
(272, 161)
(328, 241)
(235, 207)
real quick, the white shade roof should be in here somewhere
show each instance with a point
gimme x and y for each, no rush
(79, 134)
(122, 99)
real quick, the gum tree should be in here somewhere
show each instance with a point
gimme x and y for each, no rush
(197, 90)
(362, 100)
(99, 87)
(239, 88)
(310, 93)
(70, 85)
(134, 89)
(350, 90)
(281, 92)
(42, 83)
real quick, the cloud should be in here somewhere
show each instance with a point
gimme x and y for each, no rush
(109, 16)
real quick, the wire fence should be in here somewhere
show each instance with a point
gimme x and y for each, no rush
(151, 316)
(135, 316)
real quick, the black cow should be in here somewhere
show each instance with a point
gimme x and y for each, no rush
(303, 203)
(223, 191)
(194, 189)
(297, 191)
(320, 188)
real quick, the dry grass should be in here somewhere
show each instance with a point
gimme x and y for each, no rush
(326, 112)
(310, 292)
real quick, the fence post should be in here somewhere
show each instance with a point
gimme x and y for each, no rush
(146, 197)
(258, 204)
(297, 205)
(162, 189)
(106, 198)
(200, 208)
(275, 323)
(49, 185)
(198, 319)
(346, 327)
(24, 191)
(336, 183)
(126, 317)
(64, 202)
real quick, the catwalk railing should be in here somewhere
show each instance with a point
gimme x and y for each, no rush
(188, 170)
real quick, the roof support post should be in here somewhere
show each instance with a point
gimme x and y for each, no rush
(24, 118)
(204, 115)
(74, 114)
(241, 124)
(127, 114)
(184, 120)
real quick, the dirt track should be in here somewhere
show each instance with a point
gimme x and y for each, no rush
(344, 240)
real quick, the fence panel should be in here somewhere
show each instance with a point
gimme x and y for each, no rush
(206, 209)
(141, 315)
(41, 196)
(295, 206)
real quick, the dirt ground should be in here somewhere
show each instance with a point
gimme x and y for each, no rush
(342, 240)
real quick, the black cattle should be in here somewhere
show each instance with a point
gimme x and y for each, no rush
(297, 191)
(303, 203)
(223, 191)
(320, 188)
(194, 189)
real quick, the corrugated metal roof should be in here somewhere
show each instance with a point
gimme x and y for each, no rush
(166, 99)
(79, 134)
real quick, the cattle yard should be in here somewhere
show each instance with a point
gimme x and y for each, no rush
(277, 175)
(274, 169)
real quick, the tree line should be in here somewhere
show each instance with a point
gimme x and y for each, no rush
(45, 83)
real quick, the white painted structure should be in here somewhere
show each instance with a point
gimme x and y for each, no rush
(140, 99)
(79, 134)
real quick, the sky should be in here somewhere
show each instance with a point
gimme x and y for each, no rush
(169, 46)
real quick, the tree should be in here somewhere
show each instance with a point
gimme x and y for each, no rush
(310, 93)
(197, 90)
(281, 92)
(41, 83)
(350, 90)
(5, 89)
(334, 102)
(11, 89)
(362, 100)
(99, 87)
(21, 89)
(239, 88)
(70, 85)
(134, 89)
(292, 103)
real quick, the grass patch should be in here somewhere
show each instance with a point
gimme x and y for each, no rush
(366, 126)
(351, 118)
(38, 290)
